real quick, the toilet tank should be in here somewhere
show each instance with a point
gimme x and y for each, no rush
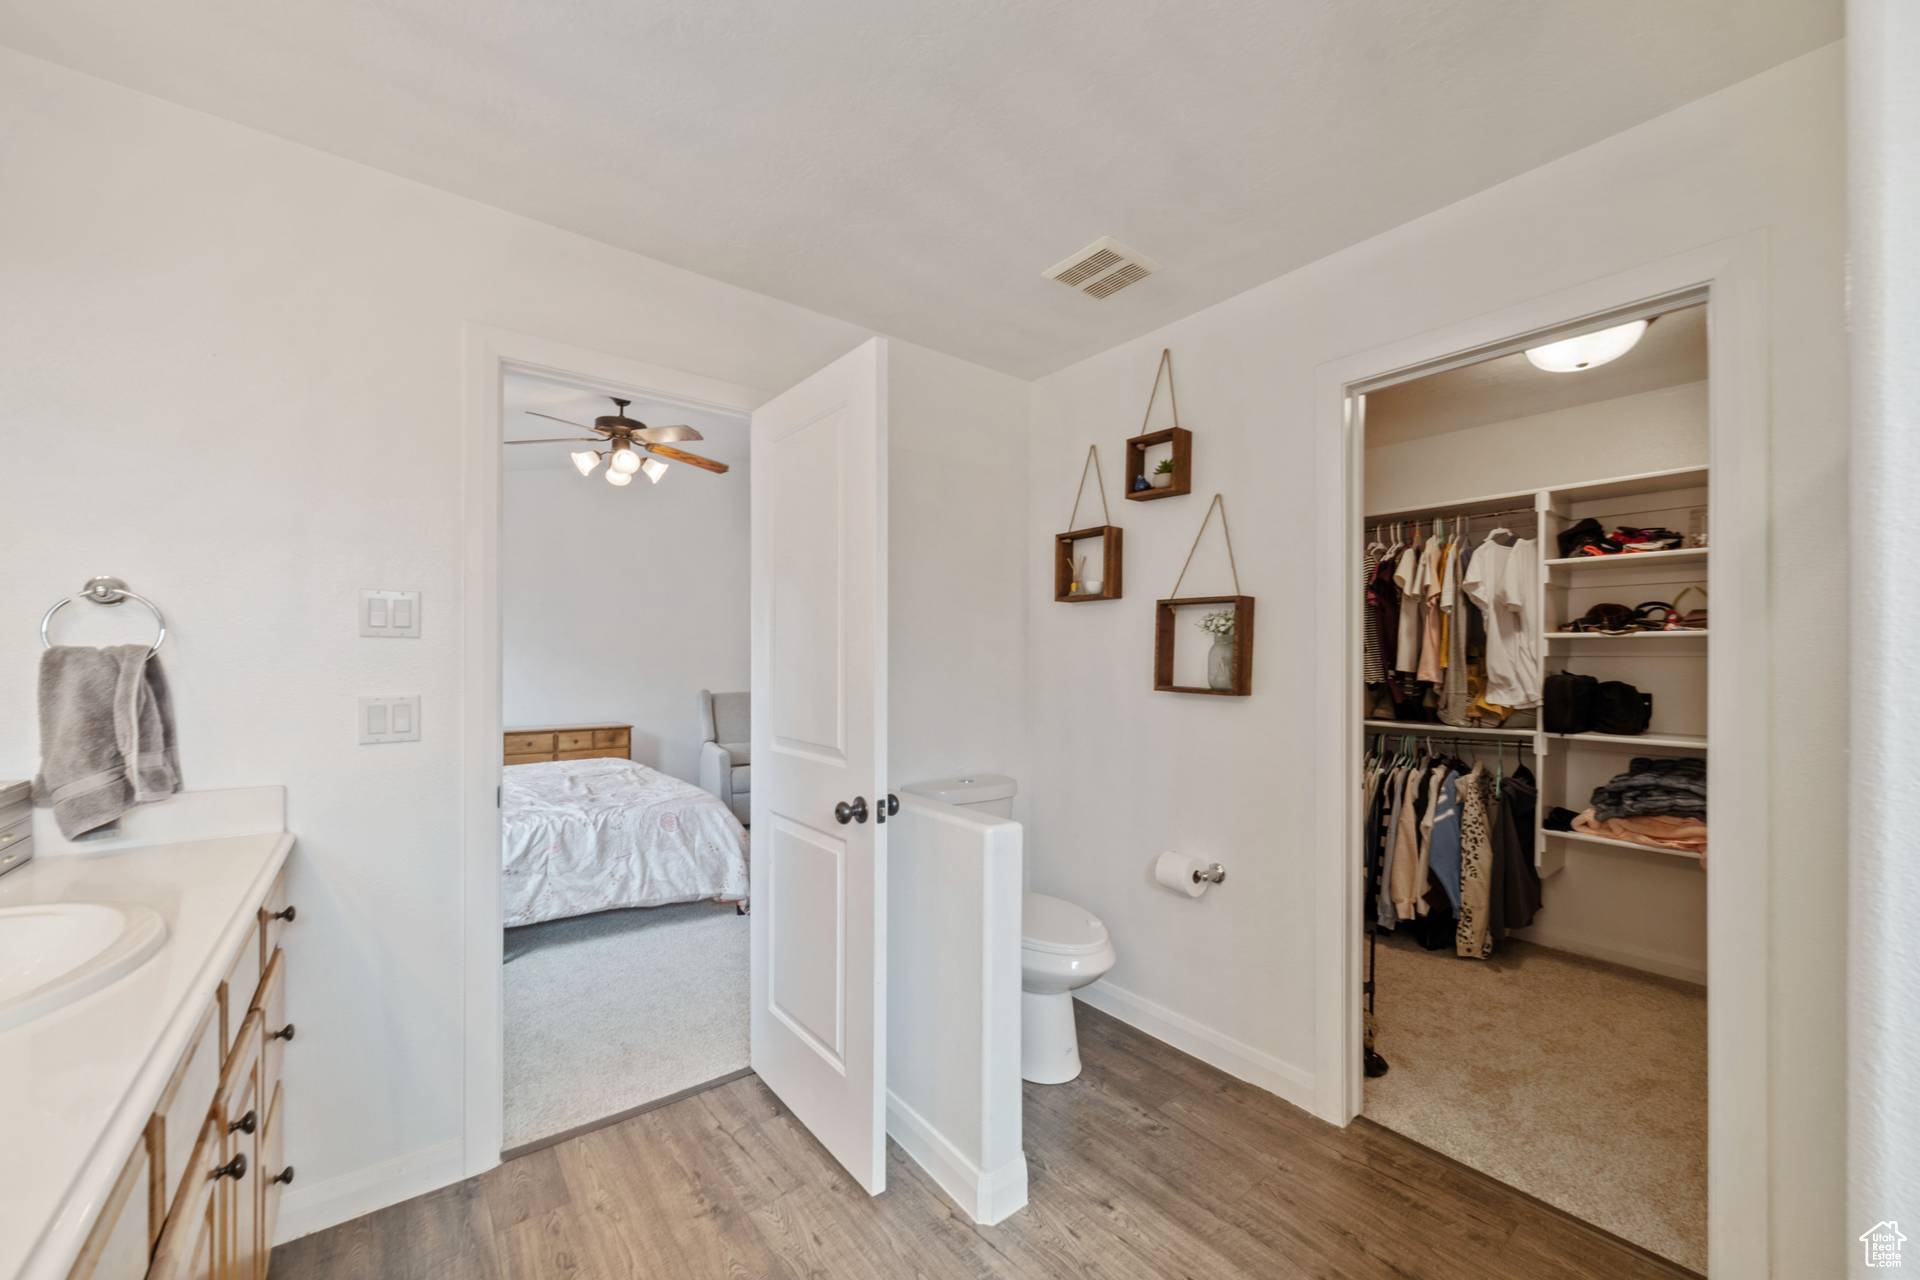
(991, 793)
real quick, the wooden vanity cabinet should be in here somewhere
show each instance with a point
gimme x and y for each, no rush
(201, 1190)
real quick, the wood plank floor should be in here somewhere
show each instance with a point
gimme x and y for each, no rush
(1150, 1165)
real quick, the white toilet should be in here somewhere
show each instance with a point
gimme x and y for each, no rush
(1062, 947)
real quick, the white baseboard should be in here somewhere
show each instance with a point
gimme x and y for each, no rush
(987, 1198)
(317, 1206)
(1214, 1048)
(1667, 966)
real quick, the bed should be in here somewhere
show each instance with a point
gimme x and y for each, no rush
(579, 836)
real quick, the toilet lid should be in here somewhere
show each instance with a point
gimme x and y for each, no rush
(1056, 926)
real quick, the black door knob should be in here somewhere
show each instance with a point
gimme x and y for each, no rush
(235, 1168)
(245, 1124)
(284, 1177)
(286, 913)
(843, 813)
(284, 1033)
(893, 804)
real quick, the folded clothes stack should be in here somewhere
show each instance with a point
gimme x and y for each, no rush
(1659, 801)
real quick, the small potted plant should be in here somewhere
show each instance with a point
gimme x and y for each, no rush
(1219, 625)
(1162, 474)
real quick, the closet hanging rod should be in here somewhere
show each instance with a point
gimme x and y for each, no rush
(1427, 514)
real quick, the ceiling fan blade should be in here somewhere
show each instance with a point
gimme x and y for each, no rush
(691, 459)
(667, 435)
(556, 440)
(535, 413)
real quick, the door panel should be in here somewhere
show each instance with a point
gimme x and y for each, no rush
(819, 739)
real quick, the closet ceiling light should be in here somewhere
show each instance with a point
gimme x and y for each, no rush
(621, 478)
(654, 469)
(1589, 350)
(585, 461)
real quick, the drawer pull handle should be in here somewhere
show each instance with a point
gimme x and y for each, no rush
(284, 1177)
(235, 1168)
(285, 913)
(284, 1033)
(245, 1124)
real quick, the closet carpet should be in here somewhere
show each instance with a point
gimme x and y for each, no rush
(1577, 1082)
(609, 1012)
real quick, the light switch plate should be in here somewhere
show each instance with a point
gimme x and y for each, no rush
(390, 614)
(395, 719)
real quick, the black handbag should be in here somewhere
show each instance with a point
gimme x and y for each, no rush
(1567, 703)
(1620, 708)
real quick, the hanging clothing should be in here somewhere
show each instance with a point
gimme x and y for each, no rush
(1503, 582)
(1476, 865)
(1427, 584)
(1373, 669)
(1443, 846)
(1514, 890)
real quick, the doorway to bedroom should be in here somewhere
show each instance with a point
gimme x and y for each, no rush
(625, 633)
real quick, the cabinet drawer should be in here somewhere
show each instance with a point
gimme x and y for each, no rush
(275, 916)
(237, 992)
(185, 1104)
(118, 1246)
(578, 740)
(241, 1113)
(189, 1248)
(527, 744)
(584, 753)
(275, 1173)
(609, 737)
(530, 759)
(273, 1010)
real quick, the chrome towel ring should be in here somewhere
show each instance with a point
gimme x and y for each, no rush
(107, 591)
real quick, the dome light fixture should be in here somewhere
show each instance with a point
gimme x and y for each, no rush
(1588, 350)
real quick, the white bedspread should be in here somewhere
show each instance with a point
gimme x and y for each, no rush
(590, 835)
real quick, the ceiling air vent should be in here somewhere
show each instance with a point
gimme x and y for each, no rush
(1103, 268)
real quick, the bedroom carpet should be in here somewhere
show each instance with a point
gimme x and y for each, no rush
(609, 1012)
(1581, 1083)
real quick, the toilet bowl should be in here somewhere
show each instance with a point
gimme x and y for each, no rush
(1062, 947)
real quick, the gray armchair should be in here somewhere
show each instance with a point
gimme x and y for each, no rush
(727, 737)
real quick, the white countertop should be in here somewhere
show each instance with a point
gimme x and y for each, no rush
(78, 1084)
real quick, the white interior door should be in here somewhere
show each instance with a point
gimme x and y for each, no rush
(819, 752)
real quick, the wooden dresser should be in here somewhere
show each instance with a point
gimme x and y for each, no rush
(569, 742)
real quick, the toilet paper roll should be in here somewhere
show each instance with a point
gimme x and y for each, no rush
(1175, 871)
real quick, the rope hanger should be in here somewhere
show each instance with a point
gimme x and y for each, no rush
(1219, 503)
(1173, 397)
(1093, 465)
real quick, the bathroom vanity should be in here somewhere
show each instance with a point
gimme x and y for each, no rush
(145, 1118)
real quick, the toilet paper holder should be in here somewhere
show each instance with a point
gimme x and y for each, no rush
(1212, 873)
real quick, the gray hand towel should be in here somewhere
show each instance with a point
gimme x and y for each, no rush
(106, 735)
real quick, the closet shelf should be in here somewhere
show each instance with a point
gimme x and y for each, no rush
(1445, 730)
(1631, 637)
(1581, 837)
(1636, 557)
(1668, 741)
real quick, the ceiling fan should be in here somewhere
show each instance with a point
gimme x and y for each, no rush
(626, 438)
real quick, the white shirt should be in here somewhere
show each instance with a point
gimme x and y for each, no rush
(1503, 582)
(1406, 650)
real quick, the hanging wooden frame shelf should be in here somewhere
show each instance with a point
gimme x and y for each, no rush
(1230, 672)
(1076, 575)
(1141, 486)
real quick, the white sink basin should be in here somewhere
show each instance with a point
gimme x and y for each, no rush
(54, 954)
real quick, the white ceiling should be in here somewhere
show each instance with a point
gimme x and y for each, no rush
(1672, 351)
(913, 165)
(726, 434)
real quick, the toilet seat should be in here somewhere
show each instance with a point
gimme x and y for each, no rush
(1054, 926)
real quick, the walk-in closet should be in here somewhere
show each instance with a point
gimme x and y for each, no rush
(1534, 601)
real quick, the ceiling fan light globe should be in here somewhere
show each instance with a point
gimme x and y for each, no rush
(585, 461)
(624, 460)
(654, 469)
(619, 478)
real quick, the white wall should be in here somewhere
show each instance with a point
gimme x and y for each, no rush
(1650, 431)
(953, 1002)
(1884, 1005)
(234, 377)
(1121, 772)
(621, 604)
